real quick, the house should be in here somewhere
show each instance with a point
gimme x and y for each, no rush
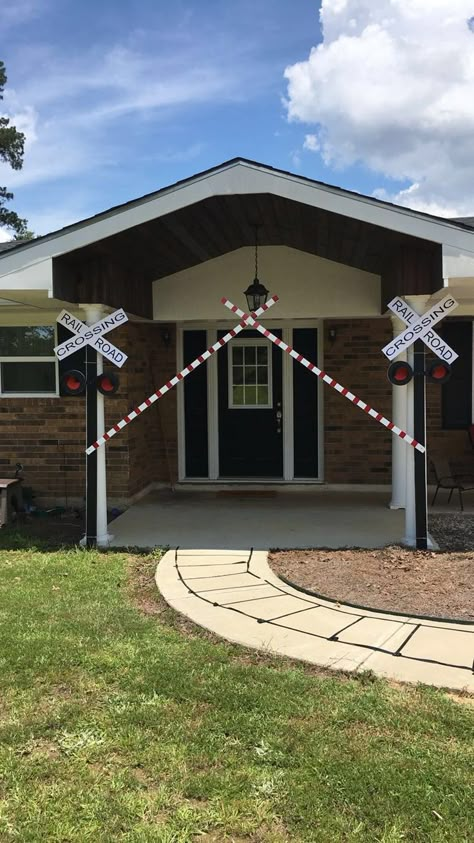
(250, 414)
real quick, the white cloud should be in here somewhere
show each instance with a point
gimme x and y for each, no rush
(311, 142)
(78, 112)
(392, 86)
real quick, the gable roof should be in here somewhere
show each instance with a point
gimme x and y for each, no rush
(262, 178)
(469, 221)
(8, 244)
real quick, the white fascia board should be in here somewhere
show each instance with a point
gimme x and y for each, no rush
(457, 264)
(363, 208)
(242, 178)
(34, 276)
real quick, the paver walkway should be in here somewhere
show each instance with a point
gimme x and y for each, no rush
(236, 595)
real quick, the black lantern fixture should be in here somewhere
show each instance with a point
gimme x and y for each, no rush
(256, 293)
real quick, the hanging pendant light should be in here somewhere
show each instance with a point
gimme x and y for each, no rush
(256, 293)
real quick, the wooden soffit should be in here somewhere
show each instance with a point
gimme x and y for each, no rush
(119, 270)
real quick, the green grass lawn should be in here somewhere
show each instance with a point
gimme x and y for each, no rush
(120, 723)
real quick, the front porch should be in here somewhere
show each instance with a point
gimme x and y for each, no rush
(263, 519)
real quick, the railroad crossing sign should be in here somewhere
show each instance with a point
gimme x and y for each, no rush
(92, 335)
(420, 328)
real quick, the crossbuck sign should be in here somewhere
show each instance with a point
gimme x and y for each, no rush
(92, 335)
(421, 328)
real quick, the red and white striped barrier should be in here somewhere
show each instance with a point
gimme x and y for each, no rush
(177, 378)
(249, 320)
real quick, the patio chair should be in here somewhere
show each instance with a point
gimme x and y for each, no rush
(446, 479)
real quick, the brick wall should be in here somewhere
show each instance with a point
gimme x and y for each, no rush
(357, 450)
(152, 438)
(47, 435)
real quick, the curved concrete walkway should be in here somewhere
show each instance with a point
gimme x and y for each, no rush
(236, 595)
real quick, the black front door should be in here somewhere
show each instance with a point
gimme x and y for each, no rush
(250, 407)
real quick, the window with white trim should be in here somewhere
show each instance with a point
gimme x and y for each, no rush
(250, 374)
(27, 362)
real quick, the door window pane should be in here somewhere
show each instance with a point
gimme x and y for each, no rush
(238, 355)
(262, 394)
(28, 377)
(250, 355)
(250, 373)
(238, 394)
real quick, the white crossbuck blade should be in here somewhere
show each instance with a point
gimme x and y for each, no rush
(92, 335)
(420, 327)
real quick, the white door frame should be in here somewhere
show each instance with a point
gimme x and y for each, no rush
(211, 328)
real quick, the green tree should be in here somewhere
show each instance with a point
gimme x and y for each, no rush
(12, 148)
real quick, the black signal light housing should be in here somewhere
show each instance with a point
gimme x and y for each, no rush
(72, 382)
(400, 373)
(107, 383)
(438, 372)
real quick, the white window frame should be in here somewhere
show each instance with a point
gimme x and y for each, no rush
(242, 343)
(31, 359)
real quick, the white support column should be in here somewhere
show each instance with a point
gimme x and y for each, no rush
(399, 417)
(410, 519)
(93, 313)
(418, 304)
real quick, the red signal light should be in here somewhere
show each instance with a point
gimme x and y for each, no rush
(400, 373)
(73, 382)
(107, 383)
(439, 372)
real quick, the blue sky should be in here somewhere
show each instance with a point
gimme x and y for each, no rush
(120, 97)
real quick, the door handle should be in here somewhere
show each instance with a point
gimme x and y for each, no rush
(278, 416)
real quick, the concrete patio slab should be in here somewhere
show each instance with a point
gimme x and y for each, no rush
(258, 610)
(214, 522)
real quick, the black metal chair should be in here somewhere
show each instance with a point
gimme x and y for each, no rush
(446, 479)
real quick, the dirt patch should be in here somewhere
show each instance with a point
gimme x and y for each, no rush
(49, 529)
(419, 582)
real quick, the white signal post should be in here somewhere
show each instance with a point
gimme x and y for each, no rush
(419, 326)
(92, 334)
(94, 316)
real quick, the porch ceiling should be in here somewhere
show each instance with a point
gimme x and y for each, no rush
(119, 270)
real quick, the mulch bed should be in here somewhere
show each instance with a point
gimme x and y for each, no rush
(436, 584)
